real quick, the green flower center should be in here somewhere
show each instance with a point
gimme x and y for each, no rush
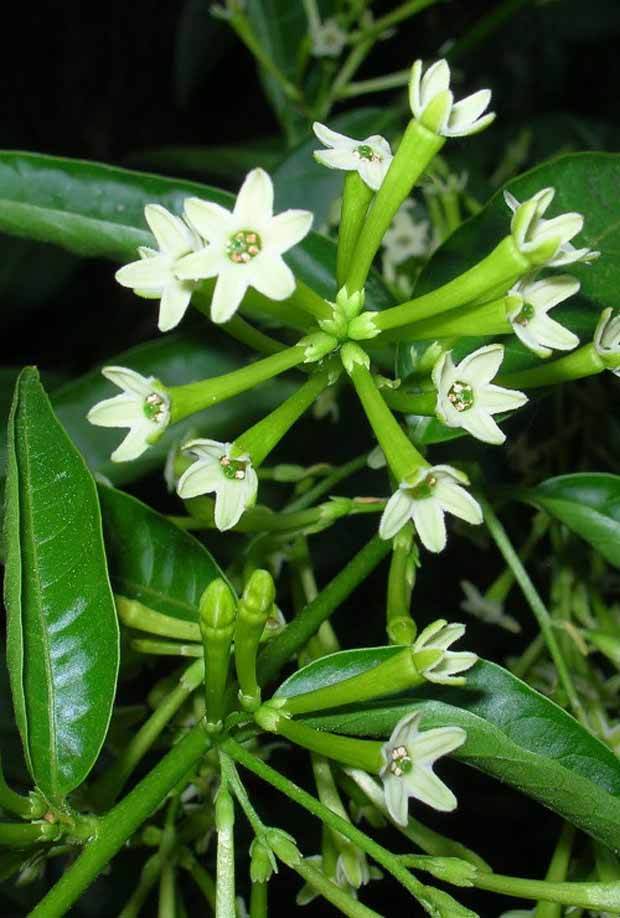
(525, 315)
(154, 407)
(366, 152)
(425, 488)
(400, 761)
(234, 469)
(243, 246)
(461, 396)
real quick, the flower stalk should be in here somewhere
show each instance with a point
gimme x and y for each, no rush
(355, 204)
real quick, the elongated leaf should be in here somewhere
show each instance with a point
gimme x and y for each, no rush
(584, 182)
(302, 182)
(96, 210)
(588, 503)
(151, 559)
(514, 734)
(63, 639)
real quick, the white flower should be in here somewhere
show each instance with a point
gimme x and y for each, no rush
(231, 478)
(433, 104)
(465, 396)
(489, 611)
(406, 238)
(143, 407)
(328, 38)
(439, 636)
(245, 246)
(409, 757)
(546, 241)
(529, 316)
(607, 338)
(424, 499)
(371, 157)
(153, 275)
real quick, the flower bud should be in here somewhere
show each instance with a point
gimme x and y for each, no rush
(262, 862)
(217, 625)
(254, 609)
(284, 846)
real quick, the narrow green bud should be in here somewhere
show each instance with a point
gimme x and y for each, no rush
(224, 810)
(262, 862)
(284, 846)
(363, 327)
(352, 356)
(318, 346)
(217, 626)
(254, 609)
(449, 869)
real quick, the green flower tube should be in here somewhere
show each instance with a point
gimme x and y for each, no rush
(254, 609)
(217, 626)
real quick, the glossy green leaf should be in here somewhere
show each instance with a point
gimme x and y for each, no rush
(584, 182)
(96, 210)
(588, 503)
(152, 560)
(63, 638)
(302, 182)
(514, 734)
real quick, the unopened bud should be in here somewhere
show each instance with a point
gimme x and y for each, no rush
(284, 846)
(262, 862)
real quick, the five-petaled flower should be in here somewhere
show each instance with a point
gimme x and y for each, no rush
(231, 478)
(607, 338)
(429, 494)
(143, 407)
(546, 241)
(529, 317)
(153, 276)
(409, 756)
(465, 396)
(370, 158)
(445, 668)
(245, 245)
(432, 103)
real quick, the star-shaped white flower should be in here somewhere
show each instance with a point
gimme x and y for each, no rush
(231, 478)
(153, 275)
(439, 636)
(465, 396)
(406, 238)
(607, 337)
(529, 315)
(370, 158)
(546, 241)
(143, 407)
(433, 104)
(409, 756)
(490, 611)
(245, 246)
(327, 38)
(431, 493)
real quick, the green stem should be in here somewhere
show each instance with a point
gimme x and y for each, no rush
(25, 835)
(148, 879)
(335, 822)
(225, 871)
(452, 210)
(325, 486)
(595, 896)
(339, 897)
(400, 626)
(134, 615)
(122, 821)
(299, 631)
(377, 84)
(166, 648)
(497, 272)
(193, 397)
(259, 899)
(241, 25)
(420, 403)
(105, 789)
(487, 319)
(500, 537)
(580, 363)
(262, 519)
(12, 802)
(246, 334)
(264, 436)
(558, 869)
(355, 203)
(417, 148)
(202, 879)
(401, 455)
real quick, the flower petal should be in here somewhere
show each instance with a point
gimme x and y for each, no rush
(481, 366)
(202, 477)
(286, 230)
(128, 380)
(254, 205)
(134, 444)
(272, 277)
(120, 411)
(481, 425)
(496, 398)
(203, 448)
(173, 237)
(229, 291)
(208, 262)
(552, 334)
(429, 522)
(397, 511)
(230, 503)
(372, 172)
(396, 799)
(424, 785)
(468, 110)
(562, 228)
(414, 89)
(174, 302)
(435, 80)
(430, 745)
(333, 139)
(543, 295)
(474, 128)
(147, 273)
(212, 221)
(456, 500)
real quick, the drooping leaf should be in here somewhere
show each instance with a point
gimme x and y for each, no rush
(63, 638)
(151, 559)
(514, 734)
(588, 503)
(96, 210)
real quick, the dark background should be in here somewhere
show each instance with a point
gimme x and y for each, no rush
(106, 81)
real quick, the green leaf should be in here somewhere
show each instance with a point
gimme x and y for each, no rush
(63, 637)
(151, 559)
(302, 182)
(514, 734)
(96, 210)
(588, 503)
(584, 182)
